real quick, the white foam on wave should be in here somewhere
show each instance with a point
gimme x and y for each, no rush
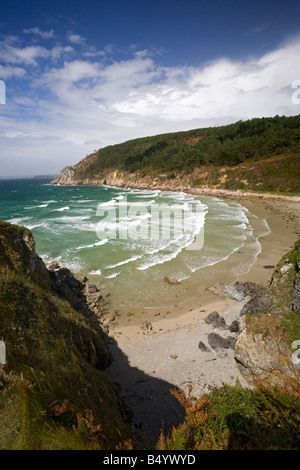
(136, 203)
(112, 276)
(43, 225)
(62, 209)
(36, 207)
(122, 263)
(97, 272)
(18, 220)
(183, 237)
(123, 223)
(99, 243)
(75, 219)
(48, 259)
(163, 258)
(107, 203)
(84, 201)
(144, 195)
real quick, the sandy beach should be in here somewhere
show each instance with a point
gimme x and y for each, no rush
(154, 356)
(283, 218)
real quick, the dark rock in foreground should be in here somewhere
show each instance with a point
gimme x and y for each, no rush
(215, 320)
(203, 347)
(216, 341)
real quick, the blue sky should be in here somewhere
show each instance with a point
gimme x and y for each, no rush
(80, 75)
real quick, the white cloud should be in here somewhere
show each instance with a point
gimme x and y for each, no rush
(88, 101)
(75, 38)
(43, 34)
(10, 71)
(12, 53)
(26, 55)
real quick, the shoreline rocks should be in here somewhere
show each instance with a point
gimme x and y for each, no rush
(84, 296)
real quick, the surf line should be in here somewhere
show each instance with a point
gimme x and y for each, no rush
(163, 220)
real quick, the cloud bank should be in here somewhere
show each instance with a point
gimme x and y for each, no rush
(65, 101)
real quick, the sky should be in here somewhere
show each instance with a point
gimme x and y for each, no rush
(76, 76)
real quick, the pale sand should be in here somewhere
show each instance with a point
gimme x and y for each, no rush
(149, 370)
(148, 364)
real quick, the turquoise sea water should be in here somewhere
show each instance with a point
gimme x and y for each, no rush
(128, 239)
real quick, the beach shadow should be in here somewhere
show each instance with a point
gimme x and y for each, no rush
(150, 406)
(154, 408)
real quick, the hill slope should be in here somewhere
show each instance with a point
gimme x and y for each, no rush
(53, 391)
(256, 155)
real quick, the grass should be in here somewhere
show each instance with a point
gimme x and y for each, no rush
(235, 418)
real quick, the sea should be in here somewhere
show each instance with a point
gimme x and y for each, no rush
(136, 244)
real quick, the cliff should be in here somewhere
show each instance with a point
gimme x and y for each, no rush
(267, 347)
(54, 393)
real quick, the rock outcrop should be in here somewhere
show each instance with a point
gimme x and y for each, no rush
(66, 175)
(269, 323)
(17, 251)
(84, 297)
(265, 356)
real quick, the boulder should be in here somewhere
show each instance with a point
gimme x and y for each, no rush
(234, 327)
(261, 302)
(215, 320)
(171, 281)
(81, 278)
(231, 340)
(216, 341)
(238, 291)
(91, 288)
(203, 347)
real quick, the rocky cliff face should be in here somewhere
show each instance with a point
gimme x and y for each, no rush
(66, 176)
(17, 251)
(270, 325)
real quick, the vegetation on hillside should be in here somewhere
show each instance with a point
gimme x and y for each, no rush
(229, 145)
(53, 391)
(236, 418)
(284, 315)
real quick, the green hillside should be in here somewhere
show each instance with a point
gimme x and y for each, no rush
(226, 145)
(258, 155)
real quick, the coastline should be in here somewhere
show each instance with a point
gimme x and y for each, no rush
(129, 182)
(282, 214)
(283, 218)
